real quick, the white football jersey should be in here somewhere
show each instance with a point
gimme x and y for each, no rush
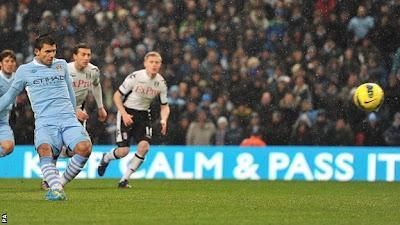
(140, 89)
(83, 80)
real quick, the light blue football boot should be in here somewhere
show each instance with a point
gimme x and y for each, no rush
(55, 195)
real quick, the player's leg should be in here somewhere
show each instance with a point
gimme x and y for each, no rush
(67, 152)
(44, 185)
(115, 153)
(47, 142)
(6, 140)
(75, 137)
(142, 133)
(50, 173)
(135, 163)
(122, 138)
(7, 147)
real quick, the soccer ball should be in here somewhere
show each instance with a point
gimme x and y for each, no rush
(368, 97)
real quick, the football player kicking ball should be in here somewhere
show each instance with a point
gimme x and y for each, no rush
(85, 76)
(8, 65)
(133, 118)
(50, 91)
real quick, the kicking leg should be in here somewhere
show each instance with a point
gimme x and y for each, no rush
(82, 152)
(66, 153)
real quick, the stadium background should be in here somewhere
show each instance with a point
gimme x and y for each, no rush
(269, 66)
(272, 66)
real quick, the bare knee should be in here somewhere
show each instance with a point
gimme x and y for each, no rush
(122, 152)
(7, 146)
(143, 148)
(44, 150)
(83, 148)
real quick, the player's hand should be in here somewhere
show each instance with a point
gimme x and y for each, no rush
(163, 124)
(81, 115)
(102, 113)
(127, 118)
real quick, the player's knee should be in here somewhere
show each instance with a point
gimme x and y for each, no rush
(44, 150)
(122, 152)
(84, 148)
(7, 146)
(143, 147)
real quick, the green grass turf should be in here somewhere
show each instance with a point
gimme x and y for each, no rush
(203, 202)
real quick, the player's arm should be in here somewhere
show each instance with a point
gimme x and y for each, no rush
(98, 95)
(81, 114)
(8, 98)
(164, 113)
(127, 118)
(16, 87)
(164, 118)
(124, 90)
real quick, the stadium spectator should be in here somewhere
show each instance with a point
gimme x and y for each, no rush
(361, 24)
(200, 131)
(372, 131)
(265, 109)
(320, 129)
(341, 133)
(177, 131)
(392, 134)
(234, 135)
(254, 140)
(277, 132)
(222, 127)
(301, 131)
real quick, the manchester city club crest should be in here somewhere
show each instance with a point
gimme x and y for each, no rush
(59, 68)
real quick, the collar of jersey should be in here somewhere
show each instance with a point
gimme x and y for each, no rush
(40, 64)
(4, 76)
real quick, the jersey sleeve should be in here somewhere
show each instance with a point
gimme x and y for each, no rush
(128, 84)
(16, 87)
(163, 93)
(96, 86)
(19, 80)
(95, 75)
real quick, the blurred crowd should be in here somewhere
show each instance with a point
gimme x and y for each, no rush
(274, 72)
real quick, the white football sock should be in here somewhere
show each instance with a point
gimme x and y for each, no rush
(133, 166)
(110, 156)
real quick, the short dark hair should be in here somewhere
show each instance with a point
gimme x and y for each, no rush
(7, 53)
(78, 46)
(44, 39)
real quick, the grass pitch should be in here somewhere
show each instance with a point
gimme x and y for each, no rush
(203, 202)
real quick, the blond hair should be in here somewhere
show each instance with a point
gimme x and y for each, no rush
(156, 54)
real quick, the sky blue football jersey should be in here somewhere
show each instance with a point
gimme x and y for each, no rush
(49, 89)
(5, 84)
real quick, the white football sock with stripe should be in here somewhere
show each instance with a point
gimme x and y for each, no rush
(110, 156)
(133, 166)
